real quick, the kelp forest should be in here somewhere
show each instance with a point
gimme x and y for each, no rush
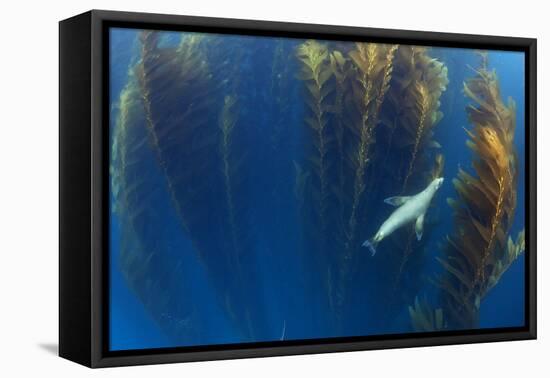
(249, 175)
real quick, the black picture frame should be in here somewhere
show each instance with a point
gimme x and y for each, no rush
(84, 190)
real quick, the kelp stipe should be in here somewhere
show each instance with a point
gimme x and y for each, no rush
(315, 72)
(235, 225)
(478, 250)
(342, 70)
(374, 65)
(317, 171)
(143, 244)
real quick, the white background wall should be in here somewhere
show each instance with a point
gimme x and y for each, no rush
(29, 189)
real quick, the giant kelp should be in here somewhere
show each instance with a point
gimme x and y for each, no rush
(370, 80)
(514, 249)
(344, 97)
(478, 250)
(403, 161)
(196, 151)
(373, 64)
(232, 159)
(369, 115)
(315, 72)
(410, 116)
(342, 70)
(145, 246)
(318, 86)
(175, 86)
(412, 112)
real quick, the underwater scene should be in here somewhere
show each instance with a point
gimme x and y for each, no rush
(266, 189)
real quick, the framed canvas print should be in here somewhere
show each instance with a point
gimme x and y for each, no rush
(234, 188)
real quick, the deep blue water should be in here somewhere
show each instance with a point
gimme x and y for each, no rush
(168, 297)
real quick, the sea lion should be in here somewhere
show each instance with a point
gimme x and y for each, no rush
(411, 208)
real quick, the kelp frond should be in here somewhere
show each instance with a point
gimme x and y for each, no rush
(419, 81)
(341, 69)
(373, 64)
(437, 169)
(167, 77)
(418, 84)
(142, 241)
(408, 158)
(485, 207)
(513, 251)
(195, 151)
(424, 318)
(423, 105)
(315, 72)
(123, 154)
(368, 71)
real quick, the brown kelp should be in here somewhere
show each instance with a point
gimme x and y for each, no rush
(232, 159)
(513, 251)
(315, 177)
(196, 151)
(412, 111)
(144, 244)
(410, 116)
(373, 64)
(175, 86)
(344, 97)
(236, 225)
(315, 72)
(404, 160)
(370, 77)
(232, 149)
(437, 169)
(477, 252)
(342, 70)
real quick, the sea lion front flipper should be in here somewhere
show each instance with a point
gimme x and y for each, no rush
(419, 227)
(397, 200)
